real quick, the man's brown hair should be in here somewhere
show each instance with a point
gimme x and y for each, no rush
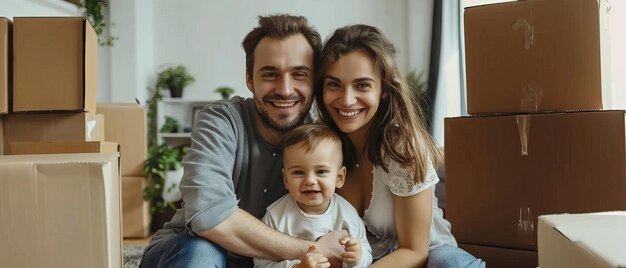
(280, 26)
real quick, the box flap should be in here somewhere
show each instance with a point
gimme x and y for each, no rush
(64, 147)
(602, 234)
(102, 158)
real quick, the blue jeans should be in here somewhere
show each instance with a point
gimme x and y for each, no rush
(452, 257)
(184, 250)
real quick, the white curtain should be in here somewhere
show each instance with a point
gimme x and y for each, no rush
(450, 100)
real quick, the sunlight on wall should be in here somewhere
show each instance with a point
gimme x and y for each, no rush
(617, 17)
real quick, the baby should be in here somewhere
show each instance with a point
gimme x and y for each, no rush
(312, 169)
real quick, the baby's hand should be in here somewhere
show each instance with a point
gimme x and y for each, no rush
(312, 259)
(352, 246)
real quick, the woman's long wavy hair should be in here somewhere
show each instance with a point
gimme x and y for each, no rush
(397, 130)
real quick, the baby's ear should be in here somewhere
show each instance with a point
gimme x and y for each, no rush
(341, 177)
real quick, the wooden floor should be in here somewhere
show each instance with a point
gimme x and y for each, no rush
(137, 241)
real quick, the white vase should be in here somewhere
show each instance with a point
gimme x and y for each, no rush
(171, 193)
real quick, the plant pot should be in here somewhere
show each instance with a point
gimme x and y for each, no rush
(162, 216)
(171, 193)
(176, 92)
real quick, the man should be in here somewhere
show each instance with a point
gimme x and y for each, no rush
(233, 168)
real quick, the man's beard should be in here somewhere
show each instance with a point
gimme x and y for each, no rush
(278, 126)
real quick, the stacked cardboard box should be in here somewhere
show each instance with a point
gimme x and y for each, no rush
(536, 56)
(54, 66)
(54, 82)
(67, 204)
(538, 142)
(6, 78)
(60, 210)
(126, 125)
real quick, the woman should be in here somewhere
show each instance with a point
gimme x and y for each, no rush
(391, 183)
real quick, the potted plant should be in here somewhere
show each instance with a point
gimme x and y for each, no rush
(171, 125)
(175, 79)
(225, 92)
(161, 159)
(93, 10)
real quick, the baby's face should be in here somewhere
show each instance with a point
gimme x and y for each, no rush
(311, 177)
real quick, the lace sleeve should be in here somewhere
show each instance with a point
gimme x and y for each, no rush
(400, 182)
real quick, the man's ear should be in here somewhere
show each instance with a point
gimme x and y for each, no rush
(284, 179)
(249, 82)
(341, 177)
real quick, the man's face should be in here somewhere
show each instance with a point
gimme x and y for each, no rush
(282, 81)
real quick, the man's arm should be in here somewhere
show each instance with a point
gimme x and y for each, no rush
(210, 202)
(245, 235)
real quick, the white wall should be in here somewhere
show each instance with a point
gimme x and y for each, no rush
(132, 56)
(20, 8)
(206, 36)
(617, 20)
(419, 16)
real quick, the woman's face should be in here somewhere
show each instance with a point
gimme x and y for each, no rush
(352, 91)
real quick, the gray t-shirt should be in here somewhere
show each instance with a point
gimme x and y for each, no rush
(228, 166)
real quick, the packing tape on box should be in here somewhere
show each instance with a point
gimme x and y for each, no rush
(529, 32)
(523, 125)
(531, 97)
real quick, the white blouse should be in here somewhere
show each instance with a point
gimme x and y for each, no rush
(379, 219)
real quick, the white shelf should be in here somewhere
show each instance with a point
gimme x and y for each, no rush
(176, 135)
(184, 111)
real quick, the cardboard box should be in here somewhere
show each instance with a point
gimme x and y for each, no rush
(63, 147)
(52, 127)
(6, 79)
(583, 240)
(136, 216)
(60, 210)
(537, 55)
(55, 60)
(1, 135)
(126, 125)
(503, 257)
(573, 163)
